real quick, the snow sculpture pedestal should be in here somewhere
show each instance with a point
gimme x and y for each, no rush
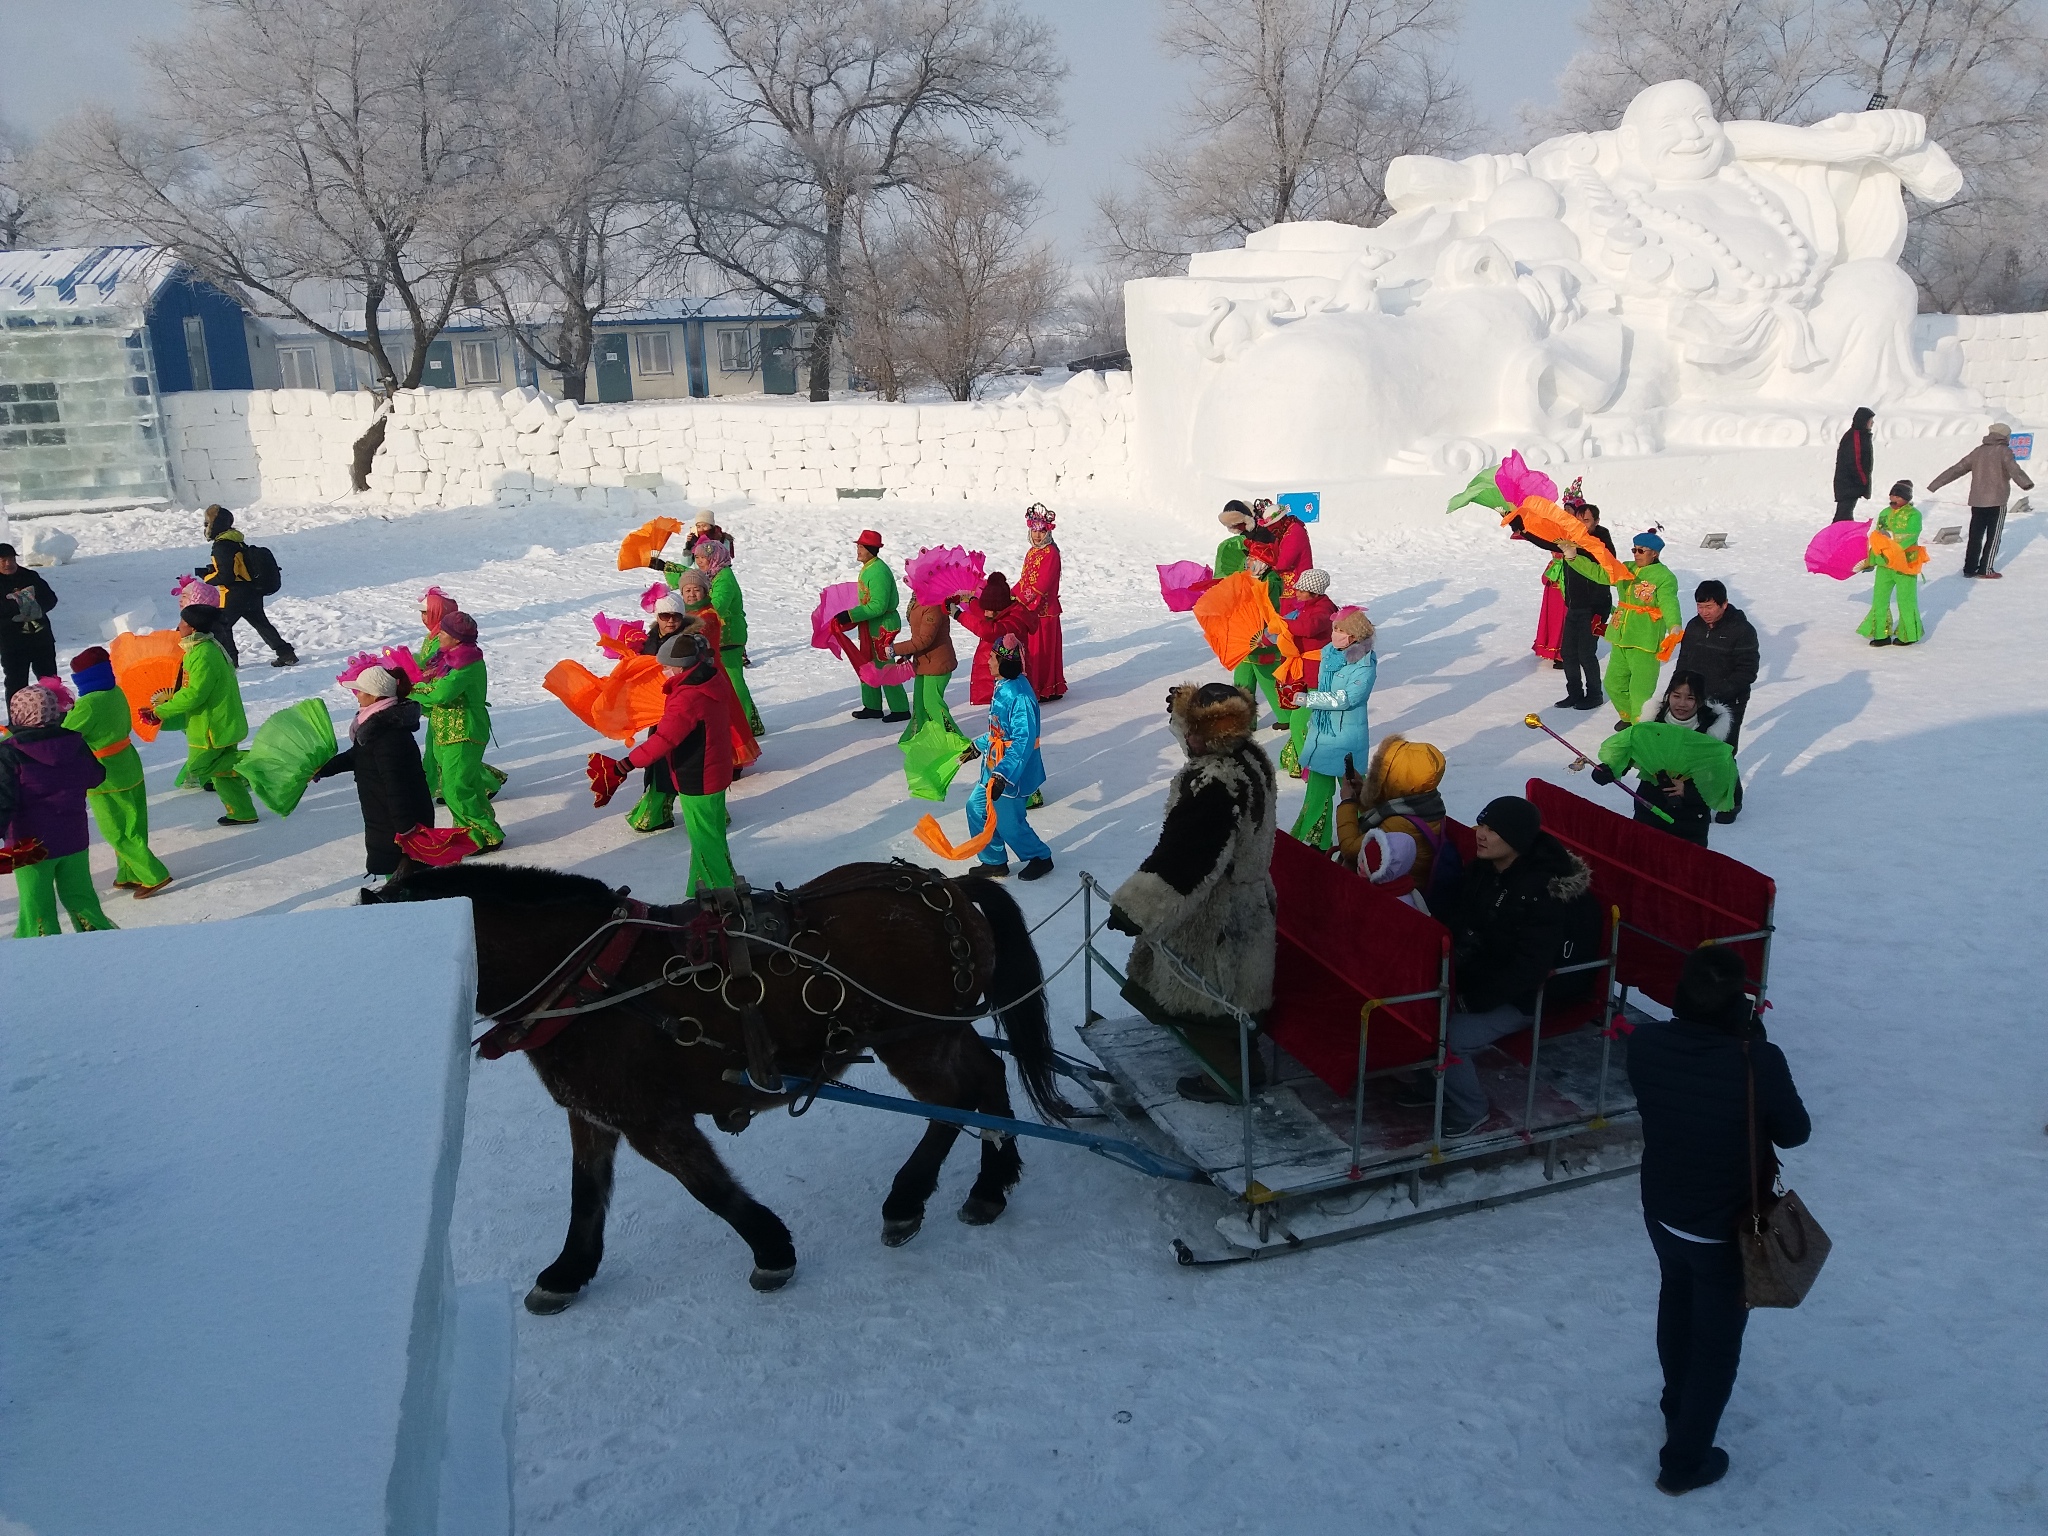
(227, 1167)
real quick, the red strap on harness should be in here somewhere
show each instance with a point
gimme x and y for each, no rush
(586, 986)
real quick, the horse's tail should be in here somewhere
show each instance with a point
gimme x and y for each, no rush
(1017, 993)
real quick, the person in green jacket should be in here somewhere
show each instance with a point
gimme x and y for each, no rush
(435, 606)
(1896, 556)
(207, 706)
(1645, 627)
(879, 623)
(120, 804)
(714, 559)
(456, 698)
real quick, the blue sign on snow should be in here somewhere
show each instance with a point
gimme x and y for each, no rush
(2022, 448)
(1308, 505)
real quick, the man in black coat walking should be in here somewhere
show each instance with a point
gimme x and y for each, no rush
(1721, 645)
(1852, 464)
(1691, 1079)
(28, 646)
(243, 597)
(1587, 604)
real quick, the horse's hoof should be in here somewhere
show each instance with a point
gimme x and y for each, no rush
(770, 1279)
(977, 1212)
(542, 1302)
(896, 1233)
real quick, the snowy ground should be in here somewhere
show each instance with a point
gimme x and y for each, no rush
(1490, 1373)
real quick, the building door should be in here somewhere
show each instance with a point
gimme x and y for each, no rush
(778, 360)
(440, 370)
(195, 352)
(614, 376)
(693, 359)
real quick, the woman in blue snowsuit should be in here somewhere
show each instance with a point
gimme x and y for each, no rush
(1009, 753)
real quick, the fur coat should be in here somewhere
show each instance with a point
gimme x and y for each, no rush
(1206, 890)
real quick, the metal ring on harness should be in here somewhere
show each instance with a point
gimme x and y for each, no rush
(782, 962)
(925, 892)
(804, 960)
(675, 977)
(963, 980)
(847, 1041)
(838, 1004)
(700, 1038)
(960, 950)
(708, 978)
(760, 994)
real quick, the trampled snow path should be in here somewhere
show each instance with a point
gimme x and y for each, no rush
(1491, 1373)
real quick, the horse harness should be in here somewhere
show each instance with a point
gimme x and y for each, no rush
(712, 944)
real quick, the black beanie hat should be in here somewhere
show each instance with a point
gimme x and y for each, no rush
(1514, 820)
(201, 617)
(1712, 989)
(1903, 489)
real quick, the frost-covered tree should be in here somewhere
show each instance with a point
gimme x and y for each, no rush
(25, 195)
(1296, 108)
(293, 148)
(818, 111)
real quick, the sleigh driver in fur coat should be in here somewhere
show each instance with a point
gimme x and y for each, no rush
(1205, 893)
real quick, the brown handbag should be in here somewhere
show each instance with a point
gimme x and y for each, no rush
(1783, 1247)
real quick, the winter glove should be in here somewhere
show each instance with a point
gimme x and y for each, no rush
(1603, 774)
(1122, 922)
(1599, 625)
(1290, 696)
(996, 786)
(148, 718)
(1670, 646)
(22, 854)
(843, 619)
(606, 775)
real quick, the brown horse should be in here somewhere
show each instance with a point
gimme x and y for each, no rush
(681, 1011)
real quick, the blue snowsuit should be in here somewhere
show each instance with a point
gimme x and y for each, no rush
(1010, 748)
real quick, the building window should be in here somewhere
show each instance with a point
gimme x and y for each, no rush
(298, 367)
(651, 352)
(480, 362)
(736, 351)
(195, 352)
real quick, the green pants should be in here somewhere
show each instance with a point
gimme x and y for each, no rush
(1317, 823)
(734, 659)
(1878, 625)
(465, 790)
(1631, 680)
(121, 807)
(41, 886)
(705, 819)
(655, 812)
(1258, 675)
(928, 702)
(1297, 738)
(218, 764)
(494, 778)
(872, 697)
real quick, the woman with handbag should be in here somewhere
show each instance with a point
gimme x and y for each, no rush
(1705, 1151)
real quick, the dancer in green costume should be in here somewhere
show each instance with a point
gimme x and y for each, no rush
(1257, 670)
(880, 622)
(1896, 556)
(456, 698)
(434, 607)
(1645, 627)
(120, 804)
(714, 559)
(207, 706)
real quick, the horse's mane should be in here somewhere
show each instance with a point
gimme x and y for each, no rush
(517, 885)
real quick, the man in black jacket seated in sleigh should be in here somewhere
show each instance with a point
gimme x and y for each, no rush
(1524, 907)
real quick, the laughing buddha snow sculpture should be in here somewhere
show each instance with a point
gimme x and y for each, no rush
(1676, 280)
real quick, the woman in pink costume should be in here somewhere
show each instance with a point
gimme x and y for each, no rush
(1038, 589)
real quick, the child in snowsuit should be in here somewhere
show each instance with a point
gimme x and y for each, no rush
(714, 559)
(120, 803)
(455, 692)
(994, 616)
(1399, 803)
(1038, 589)
(694, 740)
(391, 786)
(878, 621)
(1339, 730)
(1897, 556)
(1011, 772)
(930, 651)
(46, 771)
(207, 706)
(1646, 624)
(1309, 613)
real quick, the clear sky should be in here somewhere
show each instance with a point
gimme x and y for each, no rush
(62, 54)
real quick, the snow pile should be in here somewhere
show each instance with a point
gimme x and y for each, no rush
(2003, 357)
(465, 447)
(224, 1230)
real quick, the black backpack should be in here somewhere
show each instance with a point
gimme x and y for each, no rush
(265, 574)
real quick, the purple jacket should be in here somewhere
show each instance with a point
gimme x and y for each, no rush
(45, 771)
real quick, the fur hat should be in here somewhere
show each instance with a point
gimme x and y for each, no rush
(1237, 515)
(1214, 717)
(1039, 518)
(33, 706)
(218, 520)
(1514, 820)
(379, 682)
(1315, 583)
(1402, 767)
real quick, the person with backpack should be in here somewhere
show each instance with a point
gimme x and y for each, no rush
(246, 574)
(207, 706)
(1390, 824)
(46, 772)
(1693, 1079)
(28, 646)
(120, 802)
(391, 784)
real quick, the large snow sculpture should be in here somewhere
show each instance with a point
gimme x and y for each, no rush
(1677, 281)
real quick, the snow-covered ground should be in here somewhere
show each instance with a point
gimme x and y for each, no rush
(1057, 1371)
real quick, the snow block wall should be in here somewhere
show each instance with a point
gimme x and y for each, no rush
(2003, 357)
(464, 447)
(226, 1295)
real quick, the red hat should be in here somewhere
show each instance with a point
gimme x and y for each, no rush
(869, 538)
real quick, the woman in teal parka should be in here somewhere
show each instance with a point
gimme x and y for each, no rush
(1337, 724)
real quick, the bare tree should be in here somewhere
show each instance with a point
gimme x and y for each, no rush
(881, 303)
(24, 202)
(293, 145)
(818, 108)
(1298, 106)
(1772, 60)
(595, 120)
(1094, 316)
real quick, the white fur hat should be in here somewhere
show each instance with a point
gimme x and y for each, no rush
(375, 681)
(670, 602)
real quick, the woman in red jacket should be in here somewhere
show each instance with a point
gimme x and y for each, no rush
(1038, 589)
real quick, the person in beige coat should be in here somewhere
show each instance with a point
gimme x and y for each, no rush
(1993, 472)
